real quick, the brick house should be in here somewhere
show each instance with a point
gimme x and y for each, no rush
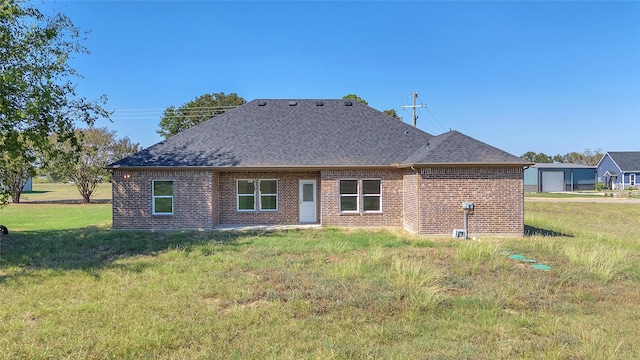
(328, 162)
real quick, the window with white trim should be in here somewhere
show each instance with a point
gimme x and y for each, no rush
(257, 195)
(372, 195)
(269, 195)
(348, 196)
(162, 197)
(632, 179)
(360, 196)
(246, 195)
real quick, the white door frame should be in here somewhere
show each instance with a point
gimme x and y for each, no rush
(308, 209)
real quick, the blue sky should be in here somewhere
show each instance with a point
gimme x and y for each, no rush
(552, 77)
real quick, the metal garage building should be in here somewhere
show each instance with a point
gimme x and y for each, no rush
(545, 177)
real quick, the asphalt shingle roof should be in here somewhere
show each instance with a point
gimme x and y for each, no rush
(626, 160)
(454, 147)
(310, 133)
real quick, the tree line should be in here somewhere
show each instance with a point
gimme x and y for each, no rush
(588, 157)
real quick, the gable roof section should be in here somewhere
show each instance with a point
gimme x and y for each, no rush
(455, 148)
(627, 161)
(287, 133)
(311, 134)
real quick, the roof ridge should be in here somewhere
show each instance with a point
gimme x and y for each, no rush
(456, 147)
(440, 139)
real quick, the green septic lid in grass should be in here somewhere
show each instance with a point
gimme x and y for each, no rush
(521, 258)
(541, 267)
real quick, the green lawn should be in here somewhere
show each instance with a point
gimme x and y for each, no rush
(57, 207)
(63, 192)
(83, 291)
(561, 195)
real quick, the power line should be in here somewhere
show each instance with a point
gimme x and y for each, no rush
(158, 113)
(189, 108)
(442, 128)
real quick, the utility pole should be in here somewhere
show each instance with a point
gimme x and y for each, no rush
(414, 106)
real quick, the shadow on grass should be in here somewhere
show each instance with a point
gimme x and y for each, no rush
(36, 192)
(65, 201)
(95, 248)
(534, 231)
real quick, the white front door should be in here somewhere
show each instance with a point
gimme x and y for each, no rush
(308, 201)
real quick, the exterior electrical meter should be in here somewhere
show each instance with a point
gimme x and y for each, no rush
(467, 209)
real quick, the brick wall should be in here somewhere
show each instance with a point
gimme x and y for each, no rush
(288, 198)
(192, 200)
(410, 202)
(392, 199)
(497, 194)
(215, 199)
(427, 202)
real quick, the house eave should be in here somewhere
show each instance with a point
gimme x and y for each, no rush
(317, 167)
(464, 164)
(252, 168)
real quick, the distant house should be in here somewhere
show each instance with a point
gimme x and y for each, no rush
(327, 162)
(619, 169)
(29, 185)
(551, 177)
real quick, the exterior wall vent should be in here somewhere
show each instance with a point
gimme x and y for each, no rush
(319, 103)
(262, 103)
(348, 103)
(293, 103)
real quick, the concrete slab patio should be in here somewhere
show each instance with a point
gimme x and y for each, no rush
(266, 227)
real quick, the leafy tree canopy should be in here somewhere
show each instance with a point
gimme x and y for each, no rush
(392, 113)
(99, 147)
(175, 120)
(536, 157)
(356, 98)
(37, 94)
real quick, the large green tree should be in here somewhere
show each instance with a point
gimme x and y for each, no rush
(175, 120)
(37, 90)
(85, 166)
